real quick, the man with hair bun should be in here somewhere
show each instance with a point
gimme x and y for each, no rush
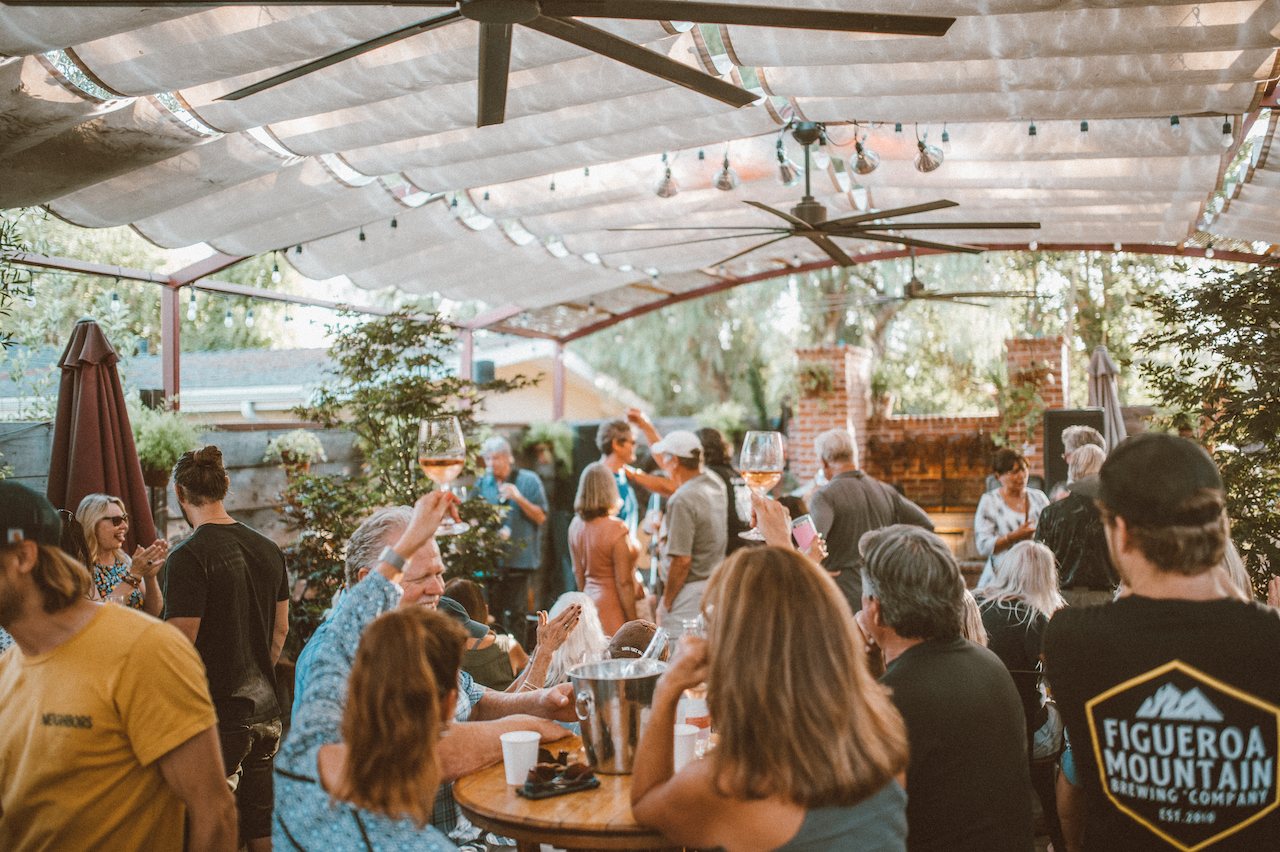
(226, 590)
(107, 734)
(1171, 694)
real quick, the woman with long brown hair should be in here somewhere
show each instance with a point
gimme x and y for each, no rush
(375, 789)
(809, 743)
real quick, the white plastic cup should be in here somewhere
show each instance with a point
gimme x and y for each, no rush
(519, 755)
(686, 739)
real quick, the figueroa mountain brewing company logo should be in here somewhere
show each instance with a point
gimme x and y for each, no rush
(1186, 755)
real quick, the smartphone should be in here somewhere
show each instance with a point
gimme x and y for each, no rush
(804, 531)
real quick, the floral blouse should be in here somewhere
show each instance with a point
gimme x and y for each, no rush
(108, 578)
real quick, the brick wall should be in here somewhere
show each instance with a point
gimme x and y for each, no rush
(939, 460)
(846, 407)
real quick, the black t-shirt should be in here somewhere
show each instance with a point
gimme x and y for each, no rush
(1015, 634)
(231, 577)
(739, 514)
(1179, 701)
(968, 785)
(1072, 529)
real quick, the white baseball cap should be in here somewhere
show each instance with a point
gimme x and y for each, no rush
(679, 443)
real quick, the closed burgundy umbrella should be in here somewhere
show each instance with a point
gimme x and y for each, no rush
(93, 450)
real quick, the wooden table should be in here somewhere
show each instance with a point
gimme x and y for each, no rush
(593, 819)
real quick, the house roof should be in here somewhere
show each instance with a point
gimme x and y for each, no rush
(374, 165)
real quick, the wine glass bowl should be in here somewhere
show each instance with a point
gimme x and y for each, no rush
(442, 453)
(761, 464)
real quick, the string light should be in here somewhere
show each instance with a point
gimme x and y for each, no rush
(553, 184)
(897, 129)
(31, 295)
(248, 319)
(1084, 131)
(297, 249)
(275, 271)
(1226, 132)
(1208, 252)
(1116, 246)
(362, 234)
(666, 187)
(115, 302)
(394, 225)
(287, 318)
(227, 320)
(191, 306)
(946, 138)
(586, 171)
(1031, 132)
(486, 195)
(1033, 245)
(1175, 125)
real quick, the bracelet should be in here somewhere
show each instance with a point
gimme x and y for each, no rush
(389, 556)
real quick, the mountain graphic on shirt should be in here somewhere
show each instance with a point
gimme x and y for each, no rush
(1169, 702)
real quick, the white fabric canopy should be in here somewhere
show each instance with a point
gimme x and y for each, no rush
(110, 116)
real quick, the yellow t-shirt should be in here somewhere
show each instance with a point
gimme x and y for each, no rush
(81, 729)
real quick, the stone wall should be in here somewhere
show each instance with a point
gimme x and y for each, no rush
(940, 461)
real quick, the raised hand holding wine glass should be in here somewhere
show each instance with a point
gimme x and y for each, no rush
(442, 452)
(761, 463)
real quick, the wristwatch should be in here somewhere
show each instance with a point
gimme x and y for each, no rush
(389, 556)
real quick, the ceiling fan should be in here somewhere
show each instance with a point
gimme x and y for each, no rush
(915, 290)
(808, 220)
(559, 18)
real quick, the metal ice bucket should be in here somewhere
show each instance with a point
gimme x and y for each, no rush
(613, 699)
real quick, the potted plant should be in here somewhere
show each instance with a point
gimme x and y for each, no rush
(552, 442)
(161, 437)
(817, 380)
(881, 397)
(295, 451)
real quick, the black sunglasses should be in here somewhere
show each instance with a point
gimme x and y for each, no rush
(117, 520)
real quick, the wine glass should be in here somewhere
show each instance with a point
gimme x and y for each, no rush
(761, 463)
(442, 452)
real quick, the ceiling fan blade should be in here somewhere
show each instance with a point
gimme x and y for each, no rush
(648, 229)
(641, 58)
(751, 16)
(702, 240)
(799, 223)
(944, 226)
(348, 53)
(748, 251)
(979, 294)
(897, 211)
(832, 250)
(947, 300)
(495, 63)
(908, 241)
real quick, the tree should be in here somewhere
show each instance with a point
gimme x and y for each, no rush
(1227, 374)
(390, 374)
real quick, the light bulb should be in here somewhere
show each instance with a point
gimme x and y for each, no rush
(553, 185)
(394, 225)
(191, 311)
(946, 140)
(1227, 138)
(929, 157)
(115, 302)
(248, 319)
(821, 158)
(1175, 125)
(275, 271)
(1033, 245)
(287, 318)
(1116, 246)
(1084, 131)
(297, 249)
(586, 171)
(726, 178)
(1031, 133)
(227, 320)
(866, 160)
(1209, 252)
(362, 231)
(897, 129)
(666, 187)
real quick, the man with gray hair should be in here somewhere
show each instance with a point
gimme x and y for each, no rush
(968, 785)
(520, 493)
(480, 715)
(851, 504)
(616, 441)
(1075, 437)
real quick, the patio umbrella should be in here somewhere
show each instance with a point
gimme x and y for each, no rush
(93, 450)
(1104, 393)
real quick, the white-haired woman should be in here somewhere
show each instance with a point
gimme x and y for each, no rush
(604, 552)
(586, 644)
(117, 576)
(1016, 609)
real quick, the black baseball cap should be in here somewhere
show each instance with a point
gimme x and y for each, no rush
(1147, 478)
(474, 628)
(27, 515)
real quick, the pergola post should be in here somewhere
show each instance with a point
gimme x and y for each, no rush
(557, 383)
(170, 332)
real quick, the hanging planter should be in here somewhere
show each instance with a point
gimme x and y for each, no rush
(295, 451)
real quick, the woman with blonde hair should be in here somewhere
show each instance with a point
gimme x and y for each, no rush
(604, 552)
(375, 789)
(809, 743)
(586, 642)
(1016, 609)
(117, 577)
